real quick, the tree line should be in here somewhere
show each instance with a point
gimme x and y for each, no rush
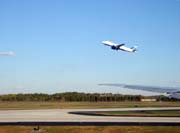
(78, 97)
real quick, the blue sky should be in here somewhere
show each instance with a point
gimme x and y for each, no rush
(58, 44)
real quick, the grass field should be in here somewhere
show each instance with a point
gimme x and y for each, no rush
(152, 113)
(73, 105)
(91, 129)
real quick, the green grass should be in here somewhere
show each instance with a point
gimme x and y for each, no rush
(91, 129)
(152, 113)
(76, 105)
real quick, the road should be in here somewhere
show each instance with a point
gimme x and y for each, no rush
(62, 115)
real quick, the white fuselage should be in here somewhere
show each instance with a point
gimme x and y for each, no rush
(118, 46)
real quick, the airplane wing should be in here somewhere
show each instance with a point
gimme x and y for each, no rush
(173, 92)
(119, 45)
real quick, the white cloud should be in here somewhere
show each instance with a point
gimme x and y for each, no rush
(10, 53)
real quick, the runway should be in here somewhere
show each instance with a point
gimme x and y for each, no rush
(63, 116)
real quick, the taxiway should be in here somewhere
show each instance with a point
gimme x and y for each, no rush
(63, 115)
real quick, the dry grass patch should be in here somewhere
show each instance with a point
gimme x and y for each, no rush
(91, 129)
(76, 105)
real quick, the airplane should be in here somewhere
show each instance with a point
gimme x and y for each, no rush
(115, 46)
(171, 92)
(10, 53)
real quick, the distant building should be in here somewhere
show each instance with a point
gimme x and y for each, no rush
(148, 100)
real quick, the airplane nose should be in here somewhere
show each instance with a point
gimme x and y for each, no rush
(103, 42)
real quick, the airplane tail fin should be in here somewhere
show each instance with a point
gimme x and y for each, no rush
(134, 48)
